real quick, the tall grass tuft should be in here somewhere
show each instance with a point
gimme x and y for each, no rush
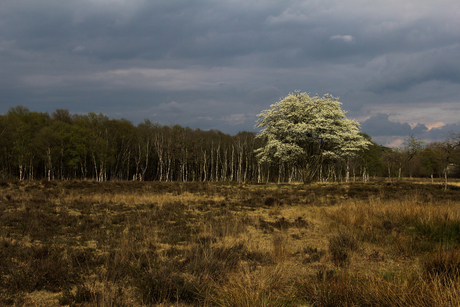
(443, 265)
(340, 247)
(266, 287)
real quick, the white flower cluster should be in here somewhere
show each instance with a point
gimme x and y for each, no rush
(302, 129)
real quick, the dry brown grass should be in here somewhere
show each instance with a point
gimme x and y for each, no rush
(170, 244)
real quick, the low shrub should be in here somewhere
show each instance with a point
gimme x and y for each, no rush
(443, 264)
(340, 247)
(165, 283)
(36, 268)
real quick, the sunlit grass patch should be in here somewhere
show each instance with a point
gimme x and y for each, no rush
(268, 286)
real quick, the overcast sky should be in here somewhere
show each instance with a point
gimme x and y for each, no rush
(395, 65)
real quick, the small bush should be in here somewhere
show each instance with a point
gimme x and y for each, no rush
(440, 230)
(216, 262)
(164, 283)
(272, 202)
(389, 276)
(280, 246)
(247, 287)
(340, 247)
(312, 254)
(443, 264)
(281, 223)
(45, 269)
(3, 183)
(81, 295)
(204, 264)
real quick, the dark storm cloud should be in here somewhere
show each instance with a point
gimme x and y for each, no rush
(437, 134)
(401, 72)
(217, 64)
(393, 133)
(379, 125)
(206, 31)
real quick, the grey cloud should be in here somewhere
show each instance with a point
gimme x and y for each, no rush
(345, 38)
(380, 125)
(202, 31)
(222, 62)
(437, 134)
(400, 72)
(419, 129)
(264, 95)
(386, 132)
(171, 107)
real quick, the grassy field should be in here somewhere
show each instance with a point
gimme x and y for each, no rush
(83, 243)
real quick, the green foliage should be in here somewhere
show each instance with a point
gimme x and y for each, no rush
(438, 230)
(371, 158)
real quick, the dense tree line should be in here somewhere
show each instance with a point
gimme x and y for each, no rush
(64, 146)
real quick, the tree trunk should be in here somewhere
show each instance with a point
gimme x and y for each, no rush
(160, 163)
(204, 168)
(127, 165)
(217, 163)
(389, 172)
(240, 166)
(147, 150)
(95, 169)
(445, 176)
(292, 177)
(279, 173)
(224, 171)
(246, 168)
(347, 179)
(21, 171)
(212, 163)
(186, 165)
(50, 165)
(31, 169)
(233, 159)
(258, 172)
(169, 169)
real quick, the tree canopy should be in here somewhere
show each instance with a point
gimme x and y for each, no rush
(308, 131)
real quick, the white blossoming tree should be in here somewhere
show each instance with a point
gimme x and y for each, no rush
(308, 132)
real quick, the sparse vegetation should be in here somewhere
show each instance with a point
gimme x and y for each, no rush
(86, 243)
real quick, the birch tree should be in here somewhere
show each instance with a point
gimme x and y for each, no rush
(412, 147)
(308, 131)
(451, 157)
